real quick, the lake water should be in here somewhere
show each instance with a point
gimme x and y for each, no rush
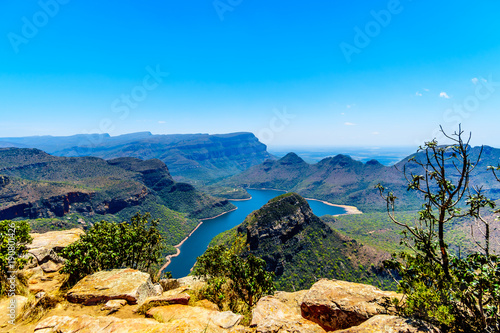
(196, 245)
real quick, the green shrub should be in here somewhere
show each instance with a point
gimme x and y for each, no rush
(228, 273)
(14, 236)
(108, 245)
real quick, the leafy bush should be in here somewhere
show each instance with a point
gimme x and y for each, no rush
(228, 273)
(108, 245)
(14, 236)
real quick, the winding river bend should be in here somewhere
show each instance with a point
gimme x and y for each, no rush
(197, 243)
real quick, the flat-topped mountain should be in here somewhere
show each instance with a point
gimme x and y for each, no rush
(191, 157)
(299, 247)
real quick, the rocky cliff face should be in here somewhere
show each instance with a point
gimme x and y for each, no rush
(46, 186)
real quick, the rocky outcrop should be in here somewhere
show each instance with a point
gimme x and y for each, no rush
(391, 324)
(281, 313)
(45, 248)
(196, 319)
(128, 284)
(176, 296)
(275, 226)
(336, 305)
(85, 323)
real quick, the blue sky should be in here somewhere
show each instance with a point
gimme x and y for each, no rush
(315, 73)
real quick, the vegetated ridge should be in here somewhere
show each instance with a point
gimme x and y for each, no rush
(36, 185)
(300, 248)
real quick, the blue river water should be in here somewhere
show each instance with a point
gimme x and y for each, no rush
(196, 245)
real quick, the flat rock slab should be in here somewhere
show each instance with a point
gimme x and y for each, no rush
(165, 299)
(337, 305)
(281, 313)
(56, 240)
(391, 324)
(128, 284)
(197, 318)
(46, 246)
(88, 324)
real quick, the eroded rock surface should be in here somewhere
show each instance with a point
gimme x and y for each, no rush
(128, 284)
(336, 304)
(281, 313)
(196, 318)
(391, 324)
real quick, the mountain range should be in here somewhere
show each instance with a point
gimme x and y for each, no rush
(194, 158)
(343, 180)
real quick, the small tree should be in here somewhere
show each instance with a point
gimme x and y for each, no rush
(108, 245)
(460, 294)
(14, 236)
(225, 269)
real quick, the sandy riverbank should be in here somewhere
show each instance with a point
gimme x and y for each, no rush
(349, 209)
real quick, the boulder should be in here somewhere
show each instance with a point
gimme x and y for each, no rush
(114, 305)
(391, 324)
(158, 289)
(281, 313)
(190, 282)
(56, 240)
(336, 305)
(46, 246)
(128, 284)
(195, 318)
(168, 284)
(51, 267)
(165, 299)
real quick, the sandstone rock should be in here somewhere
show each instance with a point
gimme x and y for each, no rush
(168, 284)
(204, 303)
(56, 240)
(114, 304)
(129, 284)
(336, 305)
(391, 324)
(190, 282)
(196, 318)
(41, 281)
(282, 314)
(50, 266)
(11, 308)
(166, 299)
(88, 324)
(158, 289)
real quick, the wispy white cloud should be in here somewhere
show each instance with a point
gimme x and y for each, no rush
(425, 89)
(375, 133)
(162, 122)
(343, 113)
(349, 124)
(444, 95)
(475, 80)
(418, 94)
